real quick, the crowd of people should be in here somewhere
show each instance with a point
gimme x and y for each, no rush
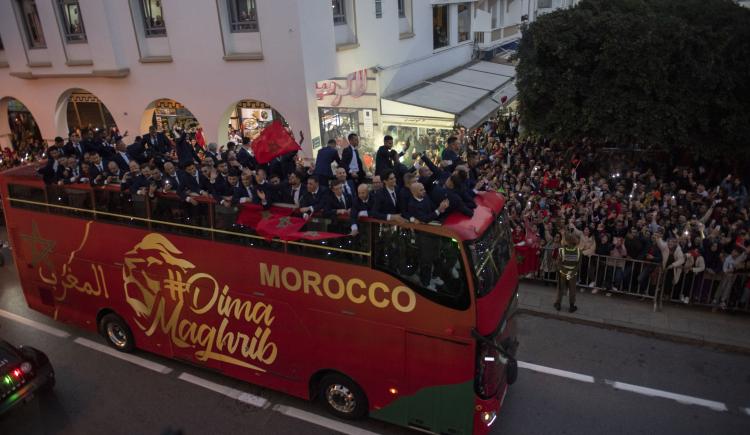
(632, 219)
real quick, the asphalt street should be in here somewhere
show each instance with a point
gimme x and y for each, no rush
(574, 379)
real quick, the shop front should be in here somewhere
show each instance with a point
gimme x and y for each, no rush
(348, 105)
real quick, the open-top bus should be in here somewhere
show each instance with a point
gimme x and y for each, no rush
(344, 320)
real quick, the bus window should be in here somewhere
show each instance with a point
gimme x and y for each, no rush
(489, 255)
(27, 193)
(174, 215)
(429, 263)
(116, 206)
(70, 200)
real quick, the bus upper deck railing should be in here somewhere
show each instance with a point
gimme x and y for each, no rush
(650, 280)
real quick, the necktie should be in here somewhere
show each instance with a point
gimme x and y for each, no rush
(295, 196)
(125, 157)
(343, 201)
(393, 197)
(249, 193)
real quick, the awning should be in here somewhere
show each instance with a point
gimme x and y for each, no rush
(467, 95)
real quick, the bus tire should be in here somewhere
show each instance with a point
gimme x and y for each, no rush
(117, 333)
(342, 397)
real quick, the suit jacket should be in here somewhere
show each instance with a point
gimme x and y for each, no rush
(449, 154)
(213, 155)
(155, 147)
(286, 193)
(121, 161)
(189, 184)
(185, 152)
(95, 172)
(70, 149)
(49, 171)
(455, 202)
(326, 156)
(346, 159)
(424, 210)
(386, 159)
(383, 205)
(333, 204)
(359, 207)
(242, 192)
(315, 200)
(245, 159)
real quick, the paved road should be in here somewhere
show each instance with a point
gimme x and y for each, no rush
(575, 379)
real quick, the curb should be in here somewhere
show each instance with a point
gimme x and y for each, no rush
(639, 331)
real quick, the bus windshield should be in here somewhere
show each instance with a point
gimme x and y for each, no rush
(490, 254)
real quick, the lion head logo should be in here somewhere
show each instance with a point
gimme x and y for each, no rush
(145, 268)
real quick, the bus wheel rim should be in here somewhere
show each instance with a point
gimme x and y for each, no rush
(117, 335)
(341, 398)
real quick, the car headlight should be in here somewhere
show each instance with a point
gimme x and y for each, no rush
(26, 367)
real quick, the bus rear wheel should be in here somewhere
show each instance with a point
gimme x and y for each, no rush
(342, 397)
(117, 333)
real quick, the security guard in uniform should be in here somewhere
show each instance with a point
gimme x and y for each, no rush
(567, 271)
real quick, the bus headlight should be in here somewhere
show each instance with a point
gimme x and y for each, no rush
(488, 417)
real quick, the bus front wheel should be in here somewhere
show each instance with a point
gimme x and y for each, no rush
(342, 397)
(117, 333)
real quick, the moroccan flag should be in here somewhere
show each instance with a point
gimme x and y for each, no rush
(252, 214)
(272, 142)
(282, 227)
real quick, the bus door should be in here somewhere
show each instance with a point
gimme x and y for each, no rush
(439, 365)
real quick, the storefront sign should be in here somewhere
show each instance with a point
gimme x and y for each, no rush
(368, 130)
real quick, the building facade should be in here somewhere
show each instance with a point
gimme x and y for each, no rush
(324, 66)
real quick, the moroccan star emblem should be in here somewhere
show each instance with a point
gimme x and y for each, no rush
(284, 222)
(40, 247)
(273, 147)
(312, 233)
(266, 214)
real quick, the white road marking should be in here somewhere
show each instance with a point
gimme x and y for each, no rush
(232, 393)
(681, 398)
(321, 421)
(745, 410)
(34, 324)
(143, 362)
(556, 372)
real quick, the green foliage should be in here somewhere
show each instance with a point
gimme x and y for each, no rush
(663, 73)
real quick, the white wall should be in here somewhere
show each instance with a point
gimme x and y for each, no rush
(197, 77)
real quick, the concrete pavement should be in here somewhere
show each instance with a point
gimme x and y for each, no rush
(694, 325)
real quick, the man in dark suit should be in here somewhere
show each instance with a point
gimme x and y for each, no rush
(386, 201)
(422, 210)
(155, 145)
(212, 152)
(244, 155)
(98, 170)
(387, 158)
(449, 157)
(351, 161)
(121, 157)
(314, 199)
(185, 151)
(349, 187)
(323, 161)
(74, 147)
(224, 192)
(49, 170)
(338, 202)
(171, 178)
(192, 183)
(361, 206)
(450, 193)
(293, 190)
(247, 193)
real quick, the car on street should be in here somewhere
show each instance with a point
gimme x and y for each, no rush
(24, 371)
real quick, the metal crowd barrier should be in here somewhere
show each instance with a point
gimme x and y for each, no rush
(649, 280)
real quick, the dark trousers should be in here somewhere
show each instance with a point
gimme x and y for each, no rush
(564, 285)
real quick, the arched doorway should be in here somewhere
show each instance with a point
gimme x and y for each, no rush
(246, 118)
(79, 109)
(165, 114)
(18, 128)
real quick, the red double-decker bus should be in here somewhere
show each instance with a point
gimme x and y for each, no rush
(344, 320)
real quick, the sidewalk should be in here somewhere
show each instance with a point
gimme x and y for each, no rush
(726, 331)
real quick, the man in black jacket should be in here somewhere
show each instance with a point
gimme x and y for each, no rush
(361, 206)
(351, 161)
(192, 183)
(314, 199)
(421, 210)
(386, 204)
(386, 159)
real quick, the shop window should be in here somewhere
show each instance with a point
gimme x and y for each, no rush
(31, 24)
(339, 14)
(440, 36)
(495, 13)
(243, 16)
(402, 8)
(71, 20)
(153, 18)
(464, 22)
(337, 123)
(378, 8)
